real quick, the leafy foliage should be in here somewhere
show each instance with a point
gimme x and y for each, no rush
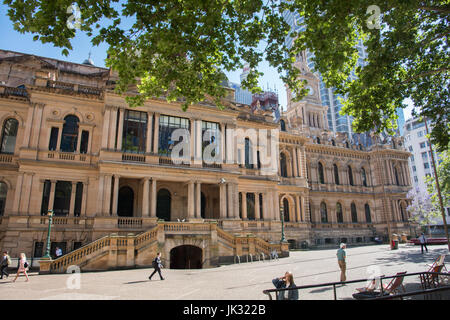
(180, 49)
(443, 173)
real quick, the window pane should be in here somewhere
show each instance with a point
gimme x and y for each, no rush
(9, 136)
(69, 136)
(166, 128)
(63, 192)
(78, 199)
(45, 197)
(3, 192)
(134, 132)
(84, 141)
(52, 145)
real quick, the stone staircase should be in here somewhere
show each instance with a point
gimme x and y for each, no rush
(130, 251)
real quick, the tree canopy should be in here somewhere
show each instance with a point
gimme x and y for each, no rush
(180, 49)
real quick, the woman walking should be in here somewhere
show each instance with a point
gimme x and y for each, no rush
(23, 267)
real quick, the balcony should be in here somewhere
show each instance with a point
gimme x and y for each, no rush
(65, 156)
(70, 87)
(12, 91)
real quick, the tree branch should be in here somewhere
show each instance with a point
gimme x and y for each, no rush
(427, 73)
(445, 10)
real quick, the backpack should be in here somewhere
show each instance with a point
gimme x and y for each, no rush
(154, 263)
(8, 260)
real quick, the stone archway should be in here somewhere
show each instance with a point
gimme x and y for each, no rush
(186, 257)
(126, 202)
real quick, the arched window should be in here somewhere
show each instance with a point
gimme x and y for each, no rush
(3, 192)
(283, 165)
(350, 176)
(323, 213)
(9, 135)
(339, 214)
(364, 177)
(336, 174)
(397, 180)
(318, 140)
(282, 125)
(354, 213)
(367, 210)
(69, 136)
(286, 210)
(333, 143)
(321, 176)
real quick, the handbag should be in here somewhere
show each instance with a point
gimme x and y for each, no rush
(25, 264)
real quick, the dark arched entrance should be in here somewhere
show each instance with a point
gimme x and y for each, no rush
(163, 205)
(186, 257)
(126, 201)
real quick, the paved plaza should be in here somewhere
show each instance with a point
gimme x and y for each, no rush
(240, 281)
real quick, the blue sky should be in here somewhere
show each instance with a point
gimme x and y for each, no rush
(15, 41)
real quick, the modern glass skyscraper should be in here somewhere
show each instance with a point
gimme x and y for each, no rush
(336, 121)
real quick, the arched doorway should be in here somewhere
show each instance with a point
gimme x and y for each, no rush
(163, 204)
(126, 202)
(186, 257)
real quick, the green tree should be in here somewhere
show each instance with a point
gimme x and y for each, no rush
(180, 48)
(443, 173)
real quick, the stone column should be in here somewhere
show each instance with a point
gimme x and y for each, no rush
(198, 142)
(244, 205)
(156, 134)
(112, 129)
(115, 203)
(107, 195)
(145, 195)
(17, 193)
(235, 201)
(276, 206)
(222, 143)
(51, 200)
(295, 162)
(72, 199)
(153, 198)
(120, 129)
(36, 126)
(198, 200)
(257, 208)
(191, 204)
(297, 202)
(101, 187)
(106, 121)
(58, 142)
(223, 200)
(149, 138)
(28, 125)
(230, 201)
(84, 199)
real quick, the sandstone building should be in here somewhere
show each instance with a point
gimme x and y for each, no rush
(70, 144)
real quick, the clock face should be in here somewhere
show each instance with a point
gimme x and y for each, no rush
(310, 90)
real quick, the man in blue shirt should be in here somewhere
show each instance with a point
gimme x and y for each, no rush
(341, 260)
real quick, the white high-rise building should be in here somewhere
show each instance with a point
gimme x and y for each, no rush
(420, 162)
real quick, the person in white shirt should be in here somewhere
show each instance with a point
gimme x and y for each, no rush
(423, 242)
(58, 252)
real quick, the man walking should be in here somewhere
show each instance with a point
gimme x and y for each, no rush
(157, 266)
(341, 260)
(58, 252)
(6, 261)
(423, 242)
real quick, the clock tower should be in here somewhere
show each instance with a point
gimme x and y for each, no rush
(307, 114)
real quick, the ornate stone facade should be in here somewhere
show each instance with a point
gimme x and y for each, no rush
(75, 147)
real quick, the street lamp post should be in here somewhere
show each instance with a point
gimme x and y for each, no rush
(47, 251)
(283, 239)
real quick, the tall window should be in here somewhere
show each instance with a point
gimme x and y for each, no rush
(214, 130)
(134, 131)
(9, 135)
(167, 125)
(350, 176)
(321, 176)
(364, 177)
(323, 213)
(84, 141)
(402, 212)
(78, 199)
(286, 210)
(336, 174)
(63, 191)
(354, 213)
(3, 192)
(283, 165)
(52, 145)
(69, 136)
(248, 154)
(339, 214)
(283, 125)
(251, 206)
(397, 180)
(367, 210)
(45, 197)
